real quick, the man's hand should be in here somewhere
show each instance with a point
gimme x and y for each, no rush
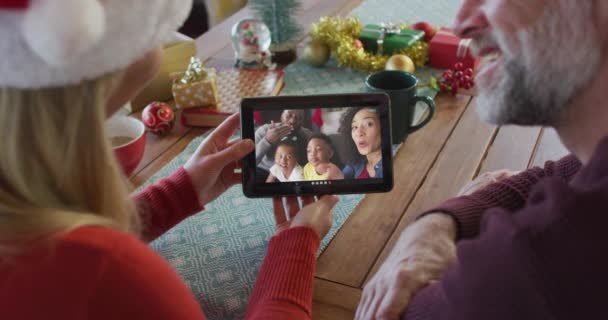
(484, 180)
(421, 255)
(316, 215)
(276, 132)
(212, 165)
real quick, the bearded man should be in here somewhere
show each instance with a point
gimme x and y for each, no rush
(530, 245)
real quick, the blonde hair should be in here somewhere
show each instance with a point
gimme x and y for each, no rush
(57, 170)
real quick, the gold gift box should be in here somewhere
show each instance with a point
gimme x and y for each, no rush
(202, 93)
(176, 56)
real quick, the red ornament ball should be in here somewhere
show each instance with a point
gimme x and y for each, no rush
(158, 117)
(429, 31)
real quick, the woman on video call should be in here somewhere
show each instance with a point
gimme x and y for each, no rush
(364, 152)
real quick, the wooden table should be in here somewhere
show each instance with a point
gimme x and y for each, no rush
(430, 167)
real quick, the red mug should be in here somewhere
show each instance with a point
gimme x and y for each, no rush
(128, 138)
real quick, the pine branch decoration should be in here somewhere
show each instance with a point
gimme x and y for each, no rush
(279, 16)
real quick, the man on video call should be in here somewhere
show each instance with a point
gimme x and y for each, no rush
(268, 135)
(530, 245)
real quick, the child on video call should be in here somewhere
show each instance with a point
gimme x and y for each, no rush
(319, 153)
(286, 167)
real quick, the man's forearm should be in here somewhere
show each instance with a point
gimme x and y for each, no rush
(440, 222)
(510, 193)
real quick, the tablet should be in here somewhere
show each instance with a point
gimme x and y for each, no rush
(314, 145)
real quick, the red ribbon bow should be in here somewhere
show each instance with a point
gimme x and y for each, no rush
(14, 4)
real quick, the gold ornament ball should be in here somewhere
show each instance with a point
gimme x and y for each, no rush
(316, 53)
(400, 62)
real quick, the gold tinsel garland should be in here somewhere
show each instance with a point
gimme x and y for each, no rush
(341, 34)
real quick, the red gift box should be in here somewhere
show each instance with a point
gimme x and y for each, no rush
(446, 49)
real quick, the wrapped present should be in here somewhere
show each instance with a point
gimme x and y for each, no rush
(388, 38)
(197, 87)
(176, 56)
(446, 49)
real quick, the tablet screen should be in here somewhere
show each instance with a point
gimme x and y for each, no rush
(325, 147)
(318, 144)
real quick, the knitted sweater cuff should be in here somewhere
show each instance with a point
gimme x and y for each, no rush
(425, 304)
(167, 202)
(180, 187)
(288, 269)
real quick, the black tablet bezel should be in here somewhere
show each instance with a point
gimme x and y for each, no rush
(380, 101)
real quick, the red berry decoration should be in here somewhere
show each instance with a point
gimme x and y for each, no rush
(454, 90)
(457, 77)
(158, 117)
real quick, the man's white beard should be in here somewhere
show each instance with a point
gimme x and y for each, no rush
(556, 62)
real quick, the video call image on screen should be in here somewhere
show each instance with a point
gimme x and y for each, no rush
(319, 145)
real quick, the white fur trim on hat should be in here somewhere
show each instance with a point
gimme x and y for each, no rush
(58, 42)
(58, 39)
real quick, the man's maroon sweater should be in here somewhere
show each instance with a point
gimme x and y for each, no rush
(533, 246)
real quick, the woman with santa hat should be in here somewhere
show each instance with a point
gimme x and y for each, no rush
(71, 237)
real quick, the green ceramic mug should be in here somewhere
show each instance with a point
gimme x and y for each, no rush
(401, 88)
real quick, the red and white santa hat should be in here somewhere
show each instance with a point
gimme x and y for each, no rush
(50, 43)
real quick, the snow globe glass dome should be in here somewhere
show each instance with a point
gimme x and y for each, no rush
(251, 41)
